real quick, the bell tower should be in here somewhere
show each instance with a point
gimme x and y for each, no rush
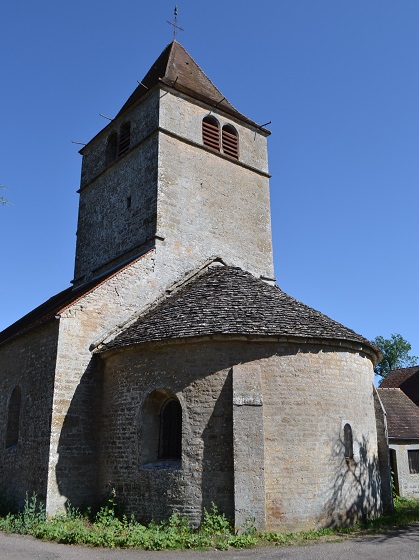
(178, 170)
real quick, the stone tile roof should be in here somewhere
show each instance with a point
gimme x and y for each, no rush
(176, 68)
(407, 379)
(227, 300)
(402, 414)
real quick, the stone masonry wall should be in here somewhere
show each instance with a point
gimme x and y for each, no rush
(207, 204)
(27, 363)
(117, 211)
(383, 454)
(408, 483)
(72, 467)
(200, 376)
(310, 393)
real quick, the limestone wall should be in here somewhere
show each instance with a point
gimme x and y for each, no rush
(72, 463)
(407, 482)
(209, 204)
(27, 363)
(310, 393)
(201, 378)
(117, 211)
(282, 435)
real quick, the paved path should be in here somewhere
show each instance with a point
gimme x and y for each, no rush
(394, 545)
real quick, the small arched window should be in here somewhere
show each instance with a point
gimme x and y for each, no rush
(230, 141)
(170, 441)
(348, 442)
(124, 138)
(111, 148)
(211, 133)
(12, 433)
(161, 430)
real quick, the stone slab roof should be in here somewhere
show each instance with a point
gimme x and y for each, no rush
(407, 379)
(176, 68)
(402, 414)
(227, 300)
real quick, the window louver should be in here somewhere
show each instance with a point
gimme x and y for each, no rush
(124, 139)
(230, 142)
(211, 133)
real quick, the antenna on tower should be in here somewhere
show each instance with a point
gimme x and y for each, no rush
(174, 23)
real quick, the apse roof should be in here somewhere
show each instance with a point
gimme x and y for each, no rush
(176, 68)
(402, 414)
(229, 301)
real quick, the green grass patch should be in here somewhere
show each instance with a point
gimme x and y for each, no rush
(106, 529)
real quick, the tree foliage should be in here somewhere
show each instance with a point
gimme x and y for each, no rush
(396, 354)
(2, 199)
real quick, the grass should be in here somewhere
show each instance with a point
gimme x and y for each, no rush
(106, 529)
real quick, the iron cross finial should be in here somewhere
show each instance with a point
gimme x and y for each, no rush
(174, 23)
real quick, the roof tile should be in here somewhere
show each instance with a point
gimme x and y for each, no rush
(227, 300)
(402, 414)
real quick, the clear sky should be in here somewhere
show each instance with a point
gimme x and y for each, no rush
(340, 82)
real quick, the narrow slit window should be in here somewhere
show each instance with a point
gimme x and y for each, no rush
(111, 148)
(230, 141)
(170, 443)
(13, 417)
(211, 133)
(349, 442)
(413, 455)
(124, 138)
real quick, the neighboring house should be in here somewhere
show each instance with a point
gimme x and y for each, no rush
(399, 393)
(174, 369)
(406, 379)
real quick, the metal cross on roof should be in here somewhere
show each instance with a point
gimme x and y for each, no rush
(174, 23)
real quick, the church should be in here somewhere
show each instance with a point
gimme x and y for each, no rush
(173, 369)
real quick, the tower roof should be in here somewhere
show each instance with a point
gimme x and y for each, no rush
(229, 301)
(176, 68)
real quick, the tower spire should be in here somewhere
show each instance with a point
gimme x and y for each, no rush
(174, 23)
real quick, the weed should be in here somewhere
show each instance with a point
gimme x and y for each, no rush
(109, 529)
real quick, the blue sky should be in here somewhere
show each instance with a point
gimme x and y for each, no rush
(340, 82)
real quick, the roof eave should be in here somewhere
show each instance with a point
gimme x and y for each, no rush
(104, 349)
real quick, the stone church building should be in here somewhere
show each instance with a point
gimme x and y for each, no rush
(174, 369)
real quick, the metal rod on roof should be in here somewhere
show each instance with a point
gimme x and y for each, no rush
(220, 101)
(141, 84)
(266, 124)
(105, 117)
(174, 83)
(81, 143)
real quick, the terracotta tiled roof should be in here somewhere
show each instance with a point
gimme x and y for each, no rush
(407, 379)
(402, 414)
(176, 68)
(227, 300)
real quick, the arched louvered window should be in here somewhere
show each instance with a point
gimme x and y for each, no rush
(13, 416)
(211, 133)
(230, 141)
(348, 442)
(124, 138)
(111, 147)
(170, 441)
